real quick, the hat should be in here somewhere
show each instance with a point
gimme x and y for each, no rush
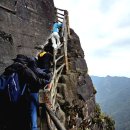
(41, 54)
(21, 58)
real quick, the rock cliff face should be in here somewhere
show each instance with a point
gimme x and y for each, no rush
(25, 24)
(76, 95)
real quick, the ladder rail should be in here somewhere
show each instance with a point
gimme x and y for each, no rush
(56, 121)
(53, 121)
(65, 38)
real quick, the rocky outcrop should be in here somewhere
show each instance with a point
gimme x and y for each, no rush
(28, 24)
(76, 94)
(77, 98)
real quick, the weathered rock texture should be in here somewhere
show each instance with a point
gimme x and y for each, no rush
(25, 24)
(76, 94)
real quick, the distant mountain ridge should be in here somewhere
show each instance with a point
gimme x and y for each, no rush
(113, 95)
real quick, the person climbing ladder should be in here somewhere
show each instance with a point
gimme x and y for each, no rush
(55, 34)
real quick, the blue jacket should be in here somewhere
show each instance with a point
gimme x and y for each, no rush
(56, 27)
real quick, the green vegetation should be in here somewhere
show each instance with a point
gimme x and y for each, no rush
(103, 120)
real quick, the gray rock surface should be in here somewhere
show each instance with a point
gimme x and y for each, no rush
(29, 26)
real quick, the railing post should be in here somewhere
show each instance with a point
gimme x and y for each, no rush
(67, 22)
(65, 38)
(65, 51)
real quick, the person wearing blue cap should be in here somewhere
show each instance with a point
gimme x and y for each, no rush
(55, 35)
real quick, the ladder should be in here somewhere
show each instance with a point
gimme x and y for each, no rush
(60, 62)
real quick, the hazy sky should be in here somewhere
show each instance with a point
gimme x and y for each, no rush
(104, 30)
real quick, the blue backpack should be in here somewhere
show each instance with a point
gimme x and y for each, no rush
(9, 86)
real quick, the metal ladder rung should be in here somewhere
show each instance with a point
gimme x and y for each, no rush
(60, 21)
(54, 87)
(60, 9)
(58, 76)
(60, 14)
(60, 17)
(59, 58)
(60, 45)
(60, 67)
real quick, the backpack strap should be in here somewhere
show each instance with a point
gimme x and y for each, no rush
(24, 87)
(15, 90)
